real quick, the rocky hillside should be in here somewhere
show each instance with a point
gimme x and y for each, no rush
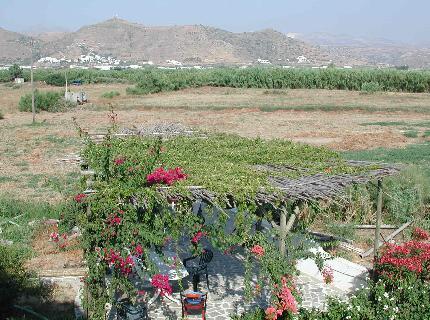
(195, 44)
(14, 46)
(189, 44)
(369, 51)
(198, 44)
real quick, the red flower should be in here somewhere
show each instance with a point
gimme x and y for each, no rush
(79, 197)
(420, 234)
(198, 236)
(161, 176)
(412, 256)
(258, 250)
(119, 161)
(114, 220)
(286, 302)
(54, 236)
(138, 251)
(161, 282)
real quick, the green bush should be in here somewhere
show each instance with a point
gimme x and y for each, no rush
(110, 94)
(402, 300)
(1, 115)
(411, 134)
(370, 87)
(15, 71)
(50, 101)
(14, 279)
(56, 79)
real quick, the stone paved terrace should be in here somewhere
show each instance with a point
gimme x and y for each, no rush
(226, 292)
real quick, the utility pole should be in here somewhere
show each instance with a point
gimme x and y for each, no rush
(33, 109)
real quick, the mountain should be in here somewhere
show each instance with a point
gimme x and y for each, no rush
(194, 43)
(116, 40)
(371, 51)
(14, 46)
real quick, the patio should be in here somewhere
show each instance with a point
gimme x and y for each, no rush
(226, 295)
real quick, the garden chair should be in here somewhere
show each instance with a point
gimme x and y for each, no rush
(127, 311)
(193, 301)
(199, 269)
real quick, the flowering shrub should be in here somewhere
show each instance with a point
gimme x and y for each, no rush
(161, 176)
(60, 240)
(54, 236)
(119, 161)
(286, 303)
(399, 260)
(161, 282)
(80, 197)
(257, 250)
(115, 219)
(115, 260)
(420, 234)
(327, 274)
(198, 236)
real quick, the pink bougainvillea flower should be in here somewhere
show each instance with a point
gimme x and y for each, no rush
(327, 274)
(138, 251)
(161, 176)
(119, 161)
(258, 250)
(114, 220)
(80, 197)
(198, 236)
(161, 282)
(54, 236)
(271, 313)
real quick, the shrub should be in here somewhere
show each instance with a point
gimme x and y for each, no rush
(1, 115)
(370, 87)
(14, 279)
(15, 71)
(110, 94)
(411, 134)
(56, 79)
(50, 101)
(408, 259)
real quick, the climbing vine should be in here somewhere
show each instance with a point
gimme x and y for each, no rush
(144, 199)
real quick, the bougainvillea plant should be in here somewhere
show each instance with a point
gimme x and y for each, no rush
(143, 201)
(327, 274)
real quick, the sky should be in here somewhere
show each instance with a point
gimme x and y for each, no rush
(400, 20)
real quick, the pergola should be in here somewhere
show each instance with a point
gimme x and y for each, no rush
(305, 188)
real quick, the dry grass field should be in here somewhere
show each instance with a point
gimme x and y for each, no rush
(341, 120)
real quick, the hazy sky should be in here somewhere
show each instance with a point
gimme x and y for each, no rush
(393, 19)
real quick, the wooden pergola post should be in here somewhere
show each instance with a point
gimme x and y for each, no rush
(378, 219)
(285, 228)
(282, 231)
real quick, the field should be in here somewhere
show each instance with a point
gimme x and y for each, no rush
(385, 126)
(342, 120)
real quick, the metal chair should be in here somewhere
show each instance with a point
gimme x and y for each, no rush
(127, 311)
(192, 301)
(201, 268)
